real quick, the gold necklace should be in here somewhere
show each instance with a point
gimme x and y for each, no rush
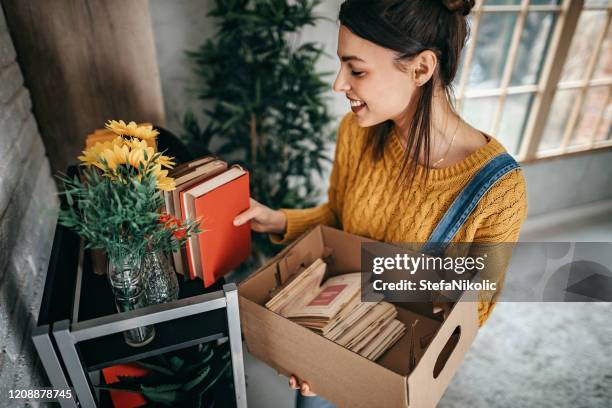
(449, 146)
(399, 139)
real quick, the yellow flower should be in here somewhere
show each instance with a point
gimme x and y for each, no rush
(114, 157)
(166, 161)
(166, 183)
(143, 132)
(163, 181)
(136, 157)
(120, 127)
(136, 143)
(91, 156)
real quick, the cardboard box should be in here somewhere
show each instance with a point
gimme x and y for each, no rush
(338, 374)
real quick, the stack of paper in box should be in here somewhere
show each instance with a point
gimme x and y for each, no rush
(335, 311)
(213, 193)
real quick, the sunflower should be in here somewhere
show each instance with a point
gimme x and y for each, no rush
(120, 128)
(163, 181)
(91, 155)
(136, 144)
(165, 161)
(109, 159)
(131, 151)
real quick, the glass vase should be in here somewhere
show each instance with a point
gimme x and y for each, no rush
(129, 287)
(162, 284)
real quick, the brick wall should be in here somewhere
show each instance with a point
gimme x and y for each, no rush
(27, 200)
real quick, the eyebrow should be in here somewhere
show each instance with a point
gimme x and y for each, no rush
(346, 58)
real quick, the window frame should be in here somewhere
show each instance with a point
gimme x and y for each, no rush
(543, 92)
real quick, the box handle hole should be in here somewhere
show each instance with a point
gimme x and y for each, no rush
(446, 352)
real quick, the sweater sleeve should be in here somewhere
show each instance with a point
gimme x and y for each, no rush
(329, 213)
(497, 233)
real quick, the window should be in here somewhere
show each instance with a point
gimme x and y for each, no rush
(548, 92)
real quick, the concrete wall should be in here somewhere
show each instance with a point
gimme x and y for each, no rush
(182, 25)
(567, 182)
(27, 191)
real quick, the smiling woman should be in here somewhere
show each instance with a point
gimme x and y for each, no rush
(407, 168)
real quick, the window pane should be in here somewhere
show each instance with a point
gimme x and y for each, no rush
(604, 65)
(501, 2)
(594, 101)
(467, 46)
(604, 131)
(592, 3)
(557, 118)
(494, 34)
(532, 49)
(479, 112)
(589, 27)
(514, 118)
(545, 2)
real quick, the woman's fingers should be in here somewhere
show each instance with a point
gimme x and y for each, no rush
(304, 388)
(293, 383)
(249, 214)
(245, 216)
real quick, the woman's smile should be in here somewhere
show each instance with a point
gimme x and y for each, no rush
(356, 104)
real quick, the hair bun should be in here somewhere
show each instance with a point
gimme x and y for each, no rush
(459, 6)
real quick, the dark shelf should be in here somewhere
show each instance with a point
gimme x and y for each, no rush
(173, 335)
(96, 300)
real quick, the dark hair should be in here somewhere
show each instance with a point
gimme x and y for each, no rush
(409, 27)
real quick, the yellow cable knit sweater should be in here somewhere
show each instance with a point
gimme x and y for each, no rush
(362, 200)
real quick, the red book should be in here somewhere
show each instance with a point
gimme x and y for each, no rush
(221, 246)
(123, 399)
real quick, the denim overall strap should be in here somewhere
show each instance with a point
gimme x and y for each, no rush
(466, 201)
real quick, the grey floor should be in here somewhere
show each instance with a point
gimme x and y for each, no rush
(527, 355)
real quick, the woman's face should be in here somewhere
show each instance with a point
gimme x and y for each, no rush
(376, 88)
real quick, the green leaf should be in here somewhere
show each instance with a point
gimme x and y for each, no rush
(157, 368)
(197, 380)
(162, 388)
(176, 363)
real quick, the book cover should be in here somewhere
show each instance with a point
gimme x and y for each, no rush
(222, 245)
(200, 174)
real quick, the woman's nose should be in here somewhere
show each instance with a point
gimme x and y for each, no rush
(340, 84)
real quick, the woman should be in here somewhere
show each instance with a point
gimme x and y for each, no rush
(403, 154)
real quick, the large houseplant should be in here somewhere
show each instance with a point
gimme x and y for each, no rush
(265, 98)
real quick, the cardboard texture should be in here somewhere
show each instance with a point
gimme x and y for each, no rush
(337, 374)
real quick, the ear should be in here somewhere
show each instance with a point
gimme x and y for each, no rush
(423, 67)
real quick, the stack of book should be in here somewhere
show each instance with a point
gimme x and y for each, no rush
(334, 310)
(210, 191)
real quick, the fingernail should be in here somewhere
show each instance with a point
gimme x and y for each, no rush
(236, 223)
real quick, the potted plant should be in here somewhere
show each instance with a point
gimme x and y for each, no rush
(116, 205)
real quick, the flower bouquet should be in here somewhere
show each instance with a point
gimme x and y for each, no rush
(116, 205)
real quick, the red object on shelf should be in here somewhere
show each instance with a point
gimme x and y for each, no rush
(123, 399)
(221, 246)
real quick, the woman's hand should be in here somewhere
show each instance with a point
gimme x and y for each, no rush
(263, 219)
(304, 388)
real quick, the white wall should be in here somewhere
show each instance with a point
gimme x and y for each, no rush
(182, 25)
